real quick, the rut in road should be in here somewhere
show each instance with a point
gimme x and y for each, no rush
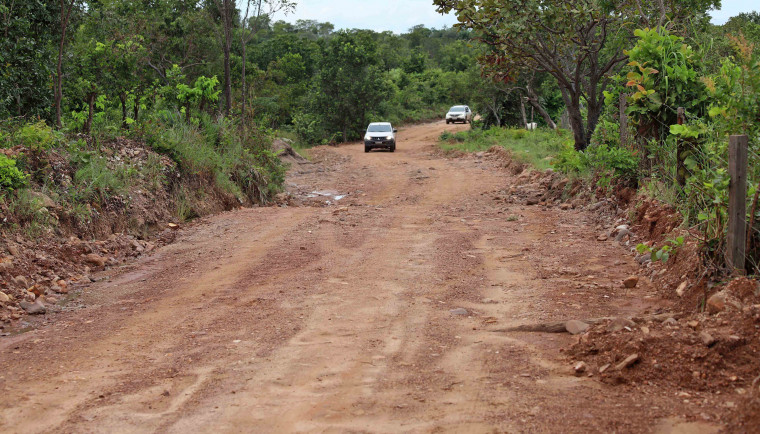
(339, 317)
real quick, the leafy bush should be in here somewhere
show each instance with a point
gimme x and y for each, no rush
(37, 136)
(11, 178)
(621, 161)
(570, 161)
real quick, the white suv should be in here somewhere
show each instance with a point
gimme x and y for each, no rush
(380, 135)
(459, 113)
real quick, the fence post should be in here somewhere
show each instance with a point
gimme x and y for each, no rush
(737, 202)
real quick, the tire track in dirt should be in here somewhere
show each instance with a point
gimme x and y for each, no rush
(339, 317)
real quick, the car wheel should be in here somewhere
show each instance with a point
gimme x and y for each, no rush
(447, 122)
(367, 148)
(393, 148)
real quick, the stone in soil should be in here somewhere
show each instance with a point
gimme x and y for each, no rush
(4, 298)
(61, 287)
(580, 368)
(576, 327)
(644, 258)
(459, 311)
(628, 362)
(631, 282)
(36, 308)
(707, 339)
(619, 324)
(602, 237)
(20, 281)
(682, 288)
(94, 259)
(720, 301)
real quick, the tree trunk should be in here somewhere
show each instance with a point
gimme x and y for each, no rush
(592, 118)
(573, 105)
(136, 108)
(91, 104)
(123, 100)
(225, 9)
(544, 114)
(58, 88)
(243, 113)
(522, 112)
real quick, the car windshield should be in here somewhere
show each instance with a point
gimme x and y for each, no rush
(379, 128)
(457, 109)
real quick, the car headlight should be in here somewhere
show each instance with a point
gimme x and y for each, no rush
(367, 137)
(389, 138)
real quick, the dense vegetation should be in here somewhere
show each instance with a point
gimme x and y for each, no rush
(206, 83)
(623, 73)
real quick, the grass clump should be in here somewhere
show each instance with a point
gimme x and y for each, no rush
(537, 148)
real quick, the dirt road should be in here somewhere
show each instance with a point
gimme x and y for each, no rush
(373, 312)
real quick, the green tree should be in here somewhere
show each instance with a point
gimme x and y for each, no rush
(349, 82)
(26, 47)
(579, 42)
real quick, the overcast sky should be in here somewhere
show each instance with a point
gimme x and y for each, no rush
(400, 15)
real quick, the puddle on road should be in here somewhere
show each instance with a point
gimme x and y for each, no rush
(334, 195)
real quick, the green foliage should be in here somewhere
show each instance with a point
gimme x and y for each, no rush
(536, 148)
(11, 178)
(95, 181)
(663, 253)
(663, 74)
(27, 56)
(37, 136)
(598, 160)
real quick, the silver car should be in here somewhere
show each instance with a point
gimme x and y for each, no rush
(459, 113)
(380, 135)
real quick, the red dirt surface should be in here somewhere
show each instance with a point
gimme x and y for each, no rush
(371, 299)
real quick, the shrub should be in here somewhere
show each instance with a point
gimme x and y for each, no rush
(37, 136)
(621, 161)
(11, 178)
(570, 161)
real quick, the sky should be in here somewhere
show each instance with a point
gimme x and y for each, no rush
(397, 16)
(732, 8)
(400, 15)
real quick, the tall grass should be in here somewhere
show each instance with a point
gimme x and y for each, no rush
(536, 148)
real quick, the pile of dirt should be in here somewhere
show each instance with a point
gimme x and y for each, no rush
(44, 271)
(714, 352)
(707, 342)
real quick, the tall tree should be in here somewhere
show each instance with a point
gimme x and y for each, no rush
(349, 82)
(578, 42)
(262, 11)
(66, 7)
(27, 47)
(226, 9)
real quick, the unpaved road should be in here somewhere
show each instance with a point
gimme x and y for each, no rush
(337, 318)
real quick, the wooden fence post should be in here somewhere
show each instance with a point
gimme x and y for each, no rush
(737, 202)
